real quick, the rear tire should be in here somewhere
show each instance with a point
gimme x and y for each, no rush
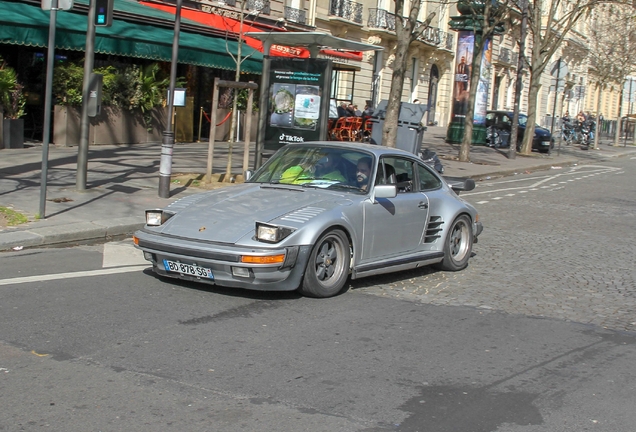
(458, 245)
(328, 266)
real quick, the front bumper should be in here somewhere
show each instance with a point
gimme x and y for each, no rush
(477, 229)
(224, 260)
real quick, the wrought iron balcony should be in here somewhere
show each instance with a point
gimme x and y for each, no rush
(381, 19)
(504, 55)
(450, 41)
(295, 15)
(259, 5)
(514, 58)
(346, 9)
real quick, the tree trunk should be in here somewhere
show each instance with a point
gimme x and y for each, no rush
(389, 133)
(526, 146)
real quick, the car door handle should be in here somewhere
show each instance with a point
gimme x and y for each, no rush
(423, 205)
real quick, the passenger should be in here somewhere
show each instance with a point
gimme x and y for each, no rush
(363, 172)
(298, 174)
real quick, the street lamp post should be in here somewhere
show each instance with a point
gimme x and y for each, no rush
(167, 145)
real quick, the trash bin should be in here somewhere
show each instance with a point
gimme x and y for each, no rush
(410, 133)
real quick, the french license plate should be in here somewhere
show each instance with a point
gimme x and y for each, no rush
(188, 269)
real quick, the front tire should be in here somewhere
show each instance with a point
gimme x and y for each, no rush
(458, 245)
(328, 267)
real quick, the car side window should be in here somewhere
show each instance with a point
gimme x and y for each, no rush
(398, 171)
(427, 180)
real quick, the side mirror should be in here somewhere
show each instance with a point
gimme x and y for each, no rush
(384, 191)
(248, 175)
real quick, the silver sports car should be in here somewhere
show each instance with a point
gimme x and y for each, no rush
(315, 214)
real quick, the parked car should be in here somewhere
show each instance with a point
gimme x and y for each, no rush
(313, 215)
(499, 124)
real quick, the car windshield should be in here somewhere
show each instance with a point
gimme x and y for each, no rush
(318, 166)
(523, 119)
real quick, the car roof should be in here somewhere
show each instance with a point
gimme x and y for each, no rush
(505, 112)
(377, 150)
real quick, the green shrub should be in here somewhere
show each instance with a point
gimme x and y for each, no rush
(12, 96)
(132, 88)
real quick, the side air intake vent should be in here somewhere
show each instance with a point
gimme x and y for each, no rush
(435, 226)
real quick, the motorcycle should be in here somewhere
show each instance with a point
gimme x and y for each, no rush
(587, 129)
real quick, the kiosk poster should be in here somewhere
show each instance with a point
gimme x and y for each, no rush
(295, 107)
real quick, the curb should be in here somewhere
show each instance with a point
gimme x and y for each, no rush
(69, 233)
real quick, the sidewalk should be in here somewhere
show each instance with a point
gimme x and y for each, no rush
(123, 182)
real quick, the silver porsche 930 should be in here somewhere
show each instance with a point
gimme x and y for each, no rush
(311, 217)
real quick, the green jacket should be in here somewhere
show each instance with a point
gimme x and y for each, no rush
(297, 175)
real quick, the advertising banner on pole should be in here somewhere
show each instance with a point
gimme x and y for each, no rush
(481, 98)
(298, 104)
(465, 48)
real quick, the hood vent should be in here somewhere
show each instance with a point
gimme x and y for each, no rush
(302, 215)
(182, 203)
(434, 228)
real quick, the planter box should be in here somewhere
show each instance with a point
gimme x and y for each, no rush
(112, 126)
(12, 133)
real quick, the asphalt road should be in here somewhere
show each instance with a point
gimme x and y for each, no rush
(537, 334)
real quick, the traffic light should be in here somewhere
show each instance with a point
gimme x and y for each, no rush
(104, 13)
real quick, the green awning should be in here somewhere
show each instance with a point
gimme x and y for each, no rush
(27, 24)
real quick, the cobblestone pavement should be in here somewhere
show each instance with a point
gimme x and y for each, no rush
(557, 244)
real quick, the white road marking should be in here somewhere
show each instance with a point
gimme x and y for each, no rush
(541, 180)
(87, 273)
(118, 257)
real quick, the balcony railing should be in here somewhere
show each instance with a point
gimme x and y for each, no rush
(259, 5)
(346, 9)
(504, 55)
(450, 41)
(295, 15)
(383, 19)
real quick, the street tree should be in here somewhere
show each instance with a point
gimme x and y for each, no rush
(612, 40)
(237, 77)
(407, 30)
(549, 22)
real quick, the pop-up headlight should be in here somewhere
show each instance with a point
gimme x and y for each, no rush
(157, 217)
(271, 233)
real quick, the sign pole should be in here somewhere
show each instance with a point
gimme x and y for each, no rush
(47, 107)
(556, 94)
